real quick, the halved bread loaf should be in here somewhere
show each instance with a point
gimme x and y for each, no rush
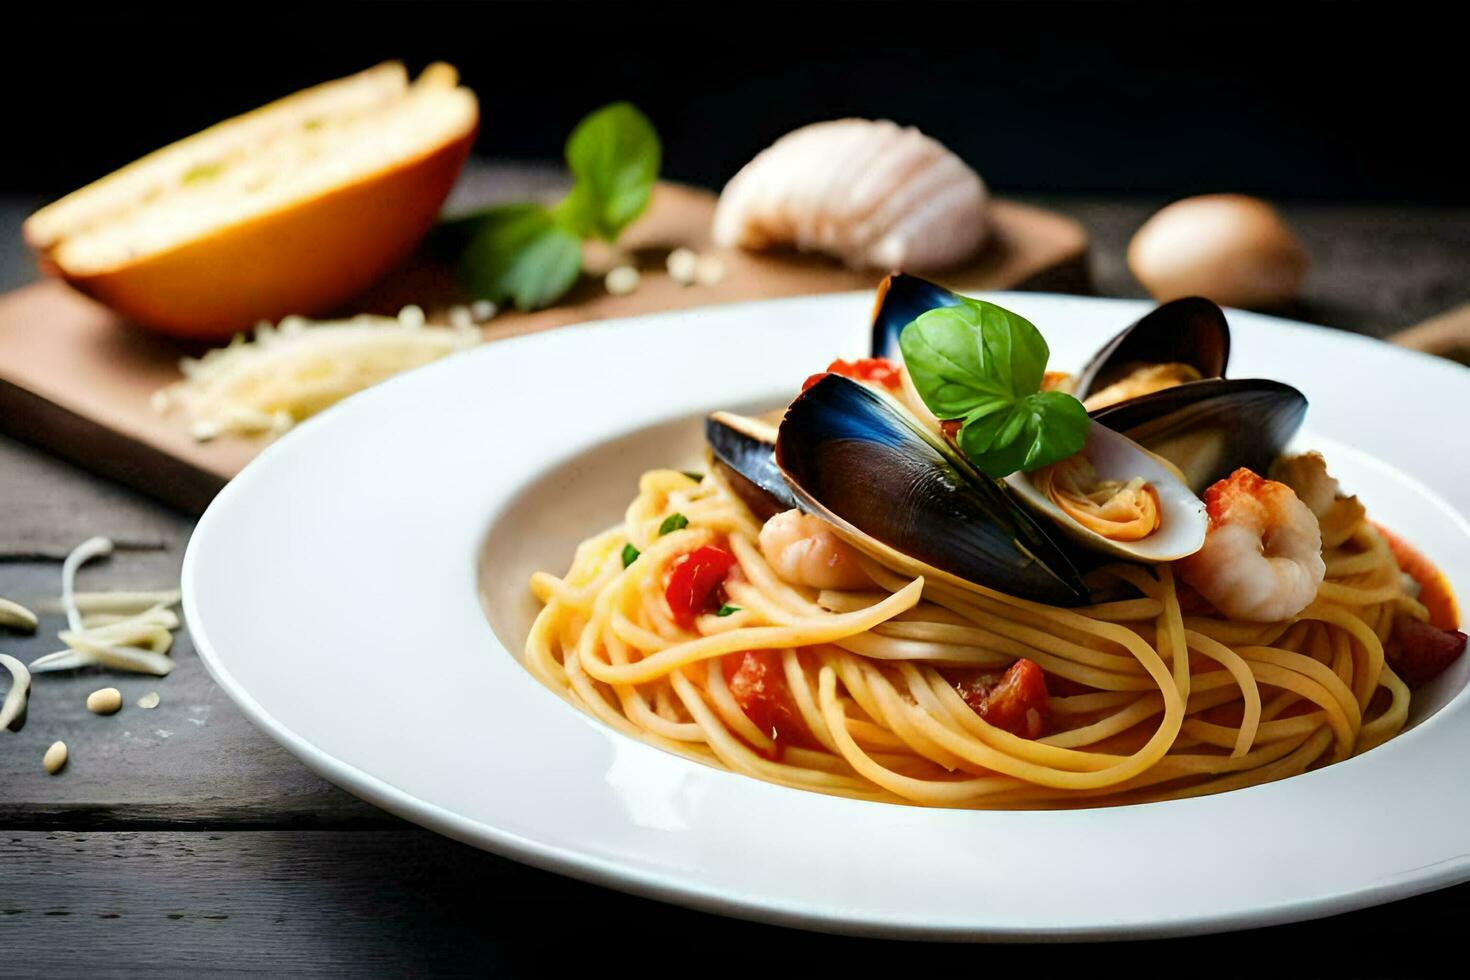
(291, 208)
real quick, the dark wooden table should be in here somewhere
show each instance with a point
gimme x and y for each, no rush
(181, 839)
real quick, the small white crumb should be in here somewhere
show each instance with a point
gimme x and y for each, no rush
(460, 317)
(149, 700)
(682, 263)
(709, 270)
(204, 430)
(411, 316)
(482, 310)
(55, 758)
(622, 280)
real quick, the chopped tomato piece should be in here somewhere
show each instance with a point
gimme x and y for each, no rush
(1434, 590)
(758, 684)
(1014, 701)
(694, 582)
(879, 370)
(1420, 652)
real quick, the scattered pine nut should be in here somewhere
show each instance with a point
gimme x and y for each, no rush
(709, 270)
(411, 316)
(16, 616)
(461, 317)
(622, 280)
(482, 310)
(105, 701)
(681, 264)
(55, 758)
(149, 700)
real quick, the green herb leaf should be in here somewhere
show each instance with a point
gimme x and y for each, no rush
(518, 252)
(1040, 429)
(630, 555)
(982, 363)
(674, 522)
(727, 610)
(614, 154)
(696, 477)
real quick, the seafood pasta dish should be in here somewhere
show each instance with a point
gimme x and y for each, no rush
(945, 575)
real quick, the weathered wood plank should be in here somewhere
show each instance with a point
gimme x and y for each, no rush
(47, 508)
(392, 902)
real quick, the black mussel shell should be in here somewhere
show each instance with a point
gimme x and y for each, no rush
(1209, 429)
(901, 300)
(855, 459)
(1185, 331)
(746, 460)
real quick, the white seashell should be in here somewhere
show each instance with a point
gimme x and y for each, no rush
(1182, 518)
(873, 194)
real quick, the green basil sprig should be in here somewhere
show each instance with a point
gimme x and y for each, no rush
(531, 254)
(982, 364)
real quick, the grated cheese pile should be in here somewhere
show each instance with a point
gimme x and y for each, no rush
(292, 371)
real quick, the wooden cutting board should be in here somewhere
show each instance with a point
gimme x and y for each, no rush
(77, 381)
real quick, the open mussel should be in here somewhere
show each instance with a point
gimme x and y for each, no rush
(901, 300)
(742, 450)
(858, 461)
(1178, 342)
(1150, 515)
(1208, 429)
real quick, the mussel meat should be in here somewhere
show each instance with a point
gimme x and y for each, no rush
(1177, 522)
(1178, 342)
(742, 450)
(901, 300)
(857, 460)
(1208, 429)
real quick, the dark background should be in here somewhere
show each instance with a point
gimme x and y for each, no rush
(1290, 100)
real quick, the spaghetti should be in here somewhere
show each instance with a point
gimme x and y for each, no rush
(864, 693)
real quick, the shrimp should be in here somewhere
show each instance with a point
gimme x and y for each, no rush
(1306, 474)
(804, 550)
(1262, 557)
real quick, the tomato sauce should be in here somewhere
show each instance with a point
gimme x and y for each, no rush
(1435, 592)
(757, 682)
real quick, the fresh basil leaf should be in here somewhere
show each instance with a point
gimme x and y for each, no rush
(727, 610)
(630, 555)
(674, 522)
(982, 363)
(696, 477)
(614, 154)
(962, 356)
(519, 252)
(1035, 431)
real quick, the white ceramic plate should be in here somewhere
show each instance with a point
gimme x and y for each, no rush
(332, 590)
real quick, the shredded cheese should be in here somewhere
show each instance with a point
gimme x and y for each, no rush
(289, 372)
(13, 708)
(128, 631)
